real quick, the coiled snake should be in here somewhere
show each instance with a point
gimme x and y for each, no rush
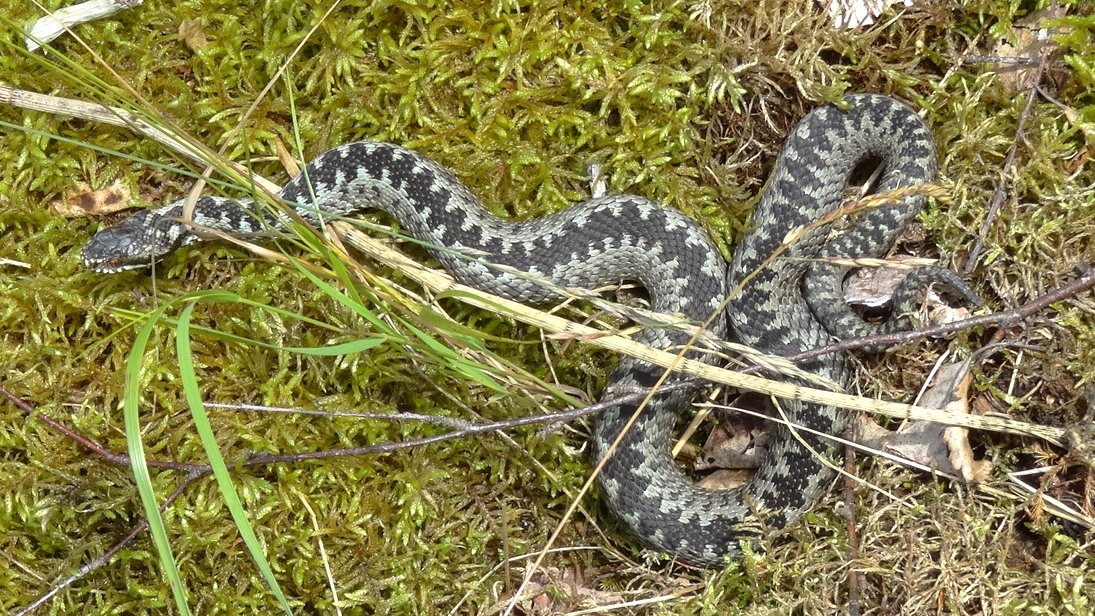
(791, 304)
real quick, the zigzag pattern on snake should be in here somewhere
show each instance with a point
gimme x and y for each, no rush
(790, 305)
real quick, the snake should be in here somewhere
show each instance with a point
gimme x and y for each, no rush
(785, 297)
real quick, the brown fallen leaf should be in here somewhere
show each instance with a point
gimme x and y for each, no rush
(191, 33)
(82, 200)
(725, 479)
(874, 287)
(943, 448)
(1017, 59)
(733, 445)
(554, 591)
(734, 448)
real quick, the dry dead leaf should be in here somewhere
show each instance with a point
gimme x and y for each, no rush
(725, 479)
(943, 448)
(939, 312)
(556, 591)
(1019, 60)
(873, 287)
(735, 447)
(191, 33)
(82, 200)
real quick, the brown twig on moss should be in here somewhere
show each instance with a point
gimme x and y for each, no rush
(100, 561)
(460, 430)
(117, 459)
(1085, 282)
(1001, 191)
(196, 471)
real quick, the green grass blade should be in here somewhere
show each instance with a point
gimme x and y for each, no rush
(140, 466)
(216, 460)
(345, 348)
(356, 307)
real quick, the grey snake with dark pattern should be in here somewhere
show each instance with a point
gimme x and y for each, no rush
(792, 304)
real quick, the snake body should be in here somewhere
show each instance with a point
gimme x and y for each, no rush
(785, 305)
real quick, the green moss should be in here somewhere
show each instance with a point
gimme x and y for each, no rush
(686, 103)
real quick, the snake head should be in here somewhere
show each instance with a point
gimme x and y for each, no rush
(139, 241)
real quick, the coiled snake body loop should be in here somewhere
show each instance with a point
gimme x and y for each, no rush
(785, 305)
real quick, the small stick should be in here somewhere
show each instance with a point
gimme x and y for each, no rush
(853, 536)
(116, 116)
(1085, 282)
(1001, 190)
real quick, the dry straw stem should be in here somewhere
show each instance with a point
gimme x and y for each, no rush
(115, 116)
(440, 282)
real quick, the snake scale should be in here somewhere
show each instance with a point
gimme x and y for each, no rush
(786, 305)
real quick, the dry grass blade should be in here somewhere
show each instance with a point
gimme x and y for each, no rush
(441, 282)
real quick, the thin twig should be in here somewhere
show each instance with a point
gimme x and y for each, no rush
(104, 558)
(117, 459)
(1085, 282)
(461, 430)
(1001, 190)
(851, 526)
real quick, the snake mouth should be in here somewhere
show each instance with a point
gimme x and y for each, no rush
(112, 266)
(135, 243)
(111, 250)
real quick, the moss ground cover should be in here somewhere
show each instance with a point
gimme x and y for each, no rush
(684, 102)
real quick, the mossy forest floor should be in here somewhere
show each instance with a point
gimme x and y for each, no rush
(683, 102)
